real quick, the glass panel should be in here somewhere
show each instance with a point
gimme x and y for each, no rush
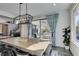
(36, 29)
(45, 31)
(40, 29)
(77, 23)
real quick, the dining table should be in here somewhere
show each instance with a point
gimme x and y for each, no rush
(33, 46)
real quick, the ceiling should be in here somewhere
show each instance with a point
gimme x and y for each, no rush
(35, 9)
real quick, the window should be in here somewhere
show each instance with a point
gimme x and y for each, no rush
(45, 31)
(40, 29)
(36, 29)
(76, 25)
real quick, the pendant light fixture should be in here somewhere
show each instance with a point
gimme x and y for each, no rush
(28, 17)
(18, 18)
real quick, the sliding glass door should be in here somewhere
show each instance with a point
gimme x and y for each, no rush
(40, 29)
(36, 29)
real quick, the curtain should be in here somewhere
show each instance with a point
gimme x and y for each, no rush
(52, 21)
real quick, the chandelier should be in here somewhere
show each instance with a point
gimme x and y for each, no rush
(24, 18)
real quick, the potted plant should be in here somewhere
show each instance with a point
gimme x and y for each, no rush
(66, 37)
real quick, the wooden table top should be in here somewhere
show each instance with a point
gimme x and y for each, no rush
(35, 47)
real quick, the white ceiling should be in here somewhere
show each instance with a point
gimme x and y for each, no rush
(35, 9)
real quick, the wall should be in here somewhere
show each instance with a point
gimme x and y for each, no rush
(63, 22)
(3, 19)
(24, 30)
(5, 16)
(11, 27)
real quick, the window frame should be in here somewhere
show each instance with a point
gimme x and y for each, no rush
(73, 26)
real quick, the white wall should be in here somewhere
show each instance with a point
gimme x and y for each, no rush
(11, 27)
(24, 30)
(63, 22)
(3, 19)
(5, 16)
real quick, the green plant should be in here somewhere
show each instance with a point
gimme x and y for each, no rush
(66, 36)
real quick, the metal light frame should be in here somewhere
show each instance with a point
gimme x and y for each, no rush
(27, 16)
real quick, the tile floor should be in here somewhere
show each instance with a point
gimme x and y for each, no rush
(59, 51)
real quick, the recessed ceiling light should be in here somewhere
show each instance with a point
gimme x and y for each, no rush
(54, 4)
